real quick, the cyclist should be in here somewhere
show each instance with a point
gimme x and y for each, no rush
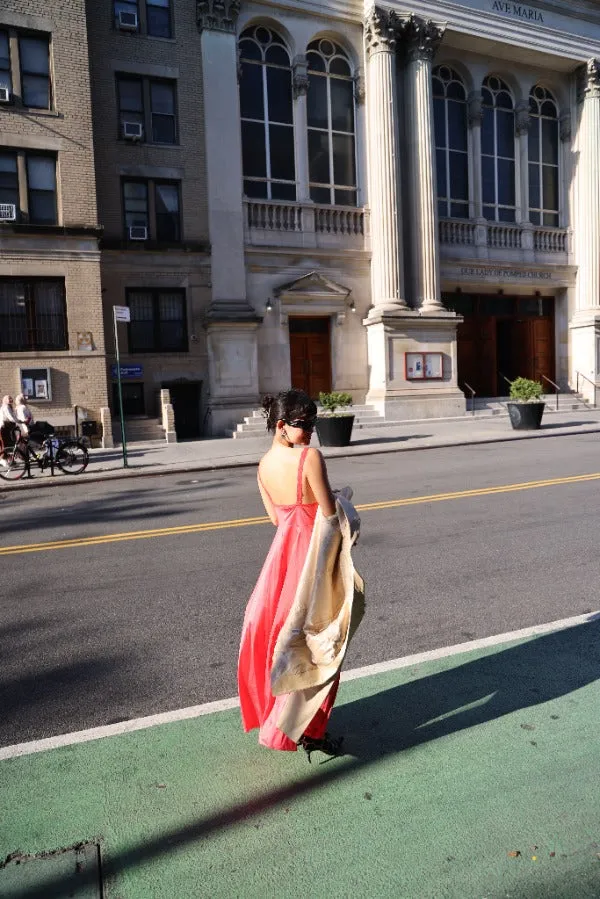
(23, 414)
(8, 423)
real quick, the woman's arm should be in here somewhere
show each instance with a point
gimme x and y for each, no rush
(267, 502)
(316, 475)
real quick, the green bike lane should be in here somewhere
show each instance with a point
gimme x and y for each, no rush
(469, 774)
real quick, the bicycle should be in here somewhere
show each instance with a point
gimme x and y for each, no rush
(69, 454)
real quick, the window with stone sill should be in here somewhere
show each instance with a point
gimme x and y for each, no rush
(151, 103)
(451, 143)
(28, 181)
(498, 151)
(543, 144)
(267, 115)
(331, 125)
(33, 315)
(155, 17)
(154, 205)
(25, 67)
(158, 320)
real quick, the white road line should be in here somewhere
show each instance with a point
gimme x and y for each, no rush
(223, 705)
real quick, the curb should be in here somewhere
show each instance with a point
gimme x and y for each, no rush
(166, 469)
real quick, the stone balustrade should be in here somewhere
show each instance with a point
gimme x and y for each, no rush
(305, 224)
(504, 236)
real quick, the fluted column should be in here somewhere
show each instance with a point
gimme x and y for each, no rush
(588, 219)
(475, 117)
(421, 39)
(387, 277)
(300, 87)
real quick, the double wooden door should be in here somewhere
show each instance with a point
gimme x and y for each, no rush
(310, 354)
(494, 350)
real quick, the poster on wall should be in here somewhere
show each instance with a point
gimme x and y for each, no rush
(414, 366)
(35, 383)
(433, 366)
(85, 341)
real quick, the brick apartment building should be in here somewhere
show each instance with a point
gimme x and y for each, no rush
(51, 327)
(146, 87)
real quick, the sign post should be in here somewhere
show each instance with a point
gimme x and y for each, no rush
(121, 314)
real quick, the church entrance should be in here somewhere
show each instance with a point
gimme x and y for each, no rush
(310, 354)
(503, 338)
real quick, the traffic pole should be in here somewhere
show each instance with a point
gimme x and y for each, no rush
(120, 389)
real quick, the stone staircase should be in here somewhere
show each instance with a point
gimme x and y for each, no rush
(254, 425)
(567, 402)
(138, 430)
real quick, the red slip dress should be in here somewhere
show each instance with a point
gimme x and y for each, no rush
(266, 613)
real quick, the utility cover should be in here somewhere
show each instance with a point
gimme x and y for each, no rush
(72, 873)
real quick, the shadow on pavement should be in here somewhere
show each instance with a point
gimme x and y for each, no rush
(399, 439)
(473, 693)
(565, 424)
(392, 721)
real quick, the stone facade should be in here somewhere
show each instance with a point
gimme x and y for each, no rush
(56, 241)
(473, 282)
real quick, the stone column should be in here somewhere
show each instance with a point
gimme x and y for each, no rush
(588, 219)
(300, 88)
(231, 321)
(421, 39)
(522, 161)
(584, 325)
(387, 277)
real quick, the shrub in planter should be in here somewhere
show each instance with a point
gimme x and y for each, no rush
(526, 409)
(334, 428)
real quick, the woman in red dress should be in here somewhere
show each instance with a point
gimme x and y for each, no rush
(293, 482)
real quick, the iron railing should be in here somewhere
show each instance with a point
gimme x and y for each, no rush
(473, 395)
(556, 387)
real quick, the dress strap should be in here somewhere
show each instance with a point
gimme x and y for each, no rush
(300, 468)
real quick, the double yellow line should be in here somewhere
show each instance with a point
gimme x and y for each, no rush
(248, 522)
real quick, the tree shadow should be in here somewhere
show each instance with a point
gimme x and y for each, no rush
(508, 680)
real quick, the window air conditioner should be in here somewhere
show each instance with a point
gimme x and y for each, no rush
(8, 212)
(4, 94)
(127, 21)
(138, 232)
(132, 130)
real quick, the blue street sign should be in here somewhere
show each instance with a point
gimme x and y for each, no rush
(127, 371)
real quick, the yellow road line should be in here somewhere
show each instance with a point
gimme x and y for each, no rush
(247, 522)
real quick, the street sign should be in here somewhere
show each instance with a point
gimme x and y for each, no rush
(127, 371)
(122, 313)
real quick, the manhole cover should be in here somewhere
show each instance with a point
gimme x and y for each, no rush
(72, 873)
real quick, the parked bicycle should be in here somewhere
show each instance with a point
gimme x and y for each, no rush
(69, 454)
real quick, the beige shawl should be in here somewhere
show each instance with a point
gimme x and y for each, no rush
(327, 609)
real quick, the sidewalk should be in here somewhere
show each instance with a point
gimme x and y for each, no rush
(205, 455)
(466, 776)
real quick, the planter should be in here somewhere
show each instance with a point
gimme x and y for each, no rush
(525, 416)
(334, 430)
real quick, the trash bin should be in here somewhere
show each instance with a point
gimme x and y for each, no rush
(89, 428)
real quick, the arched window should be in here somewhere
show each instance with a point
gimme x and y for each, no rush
(331, 140)
(543, 158)
(451, 150)
(267, 115)
(498, 151)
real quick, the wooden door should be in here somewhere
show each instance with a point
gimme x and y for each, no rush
(310, 355)
(543, 351)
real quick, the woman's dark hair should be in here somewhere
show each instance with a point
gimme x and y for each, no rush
(289, 405)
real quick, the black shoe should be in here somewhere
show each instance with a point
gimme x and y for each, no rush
(328, 745)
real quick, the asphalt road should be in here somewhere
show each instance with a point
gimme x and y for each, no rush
(94, 634)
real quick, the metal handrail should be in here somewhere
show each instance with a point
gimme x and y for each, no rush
(473, 395)
(589, 380)
(508, 381)
(550, 381)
